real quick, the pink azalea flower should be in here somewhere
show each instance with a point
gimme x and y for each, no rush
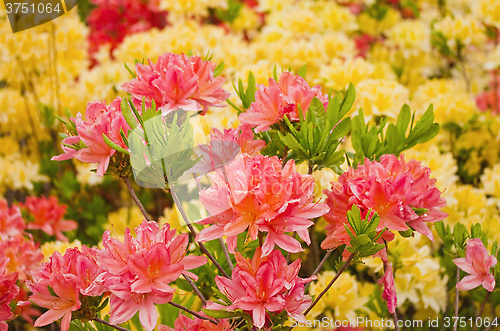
(278, 99)
(62, 304)
(225, 146)
(177, 81)
(389, 293)
(393, 189)
(257, 194)
(48, 216)
(74, 274)
(266, 283)
(8, 291)
(101, 119)
(11, 220)
(477, 263)
(23, 254)
(184, 323)
(139, 270)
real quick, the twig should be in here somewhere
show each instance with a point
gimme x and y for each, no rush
(320, 265)
(192, 312)
(456, 300)
(395, 318)
(346, 264)
(482, 309)
(97, 319)
(193, 231)
(285, 154)
(196, 289)
(226, 253)
(136, 199)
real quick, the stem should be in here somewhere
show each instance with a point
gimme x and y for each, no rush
(456, 299)
(192, 312)
(482, 309)
(193, 231)
(320, 265)
(226, 253)
(346, 264)
(195, 288)
(395, 318)
(136, 199)
(285, 154)
(97, 319)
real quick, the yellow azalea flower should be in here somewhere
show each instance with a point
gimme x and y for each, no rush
(467, 205)
(491, 182)
(339, 73)
(51, 247)
(444, 166)
(380, 97)
(488, 11)
(84, 175)
(343, 298)
(124, 218)
(410, 37)
(464, 28)
(374, 27)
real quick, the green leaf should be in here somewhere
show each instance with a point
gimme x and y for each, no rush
(403, 121)
(127, 113)
(113, 145)
(129, 70)
(333, 110)
(218, 69)
(302, 71)
(251, 88)
(348, 100)
(440, 229)
(393, 139)
(183, 285)
(460, 234)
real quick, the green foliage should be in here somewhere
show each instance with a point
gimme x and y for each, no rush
(232, 11)
(246, 96)
(318, 134)
(369, 141)
(365, 233)
(159, 148)
(48, 115)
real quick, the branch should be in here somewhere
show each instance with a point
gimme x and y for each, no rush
(193, 231)
(196, 289)
(456, 299)
(482, 309)
(320, 266)
(346, 264)
(97, 319)
(136, 199)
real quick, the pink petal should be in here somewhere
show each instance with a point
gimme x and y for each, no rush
(469, 282)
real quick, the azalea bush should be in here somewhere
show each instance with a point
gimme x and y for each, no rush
(251, 165)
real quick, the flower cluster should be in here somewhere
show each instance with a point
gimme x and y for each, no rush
(136, 273)
(9, 290)
(184, 323)
(401, 193)
(177, 81)
(265, 284)
(281, 98)
(48, 216)
(101, 120)
(113, 20)
(58, 284)
(225, 146)
(259, 195)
